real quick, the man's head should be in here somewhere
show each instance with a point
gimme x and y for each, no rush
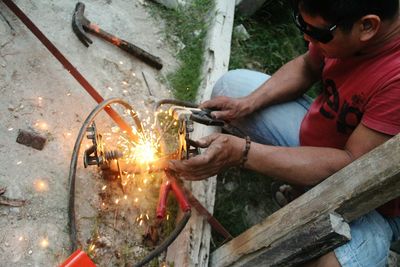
(330, 22)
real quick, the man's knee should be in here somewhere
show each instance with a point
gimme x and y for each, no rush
(238, 83)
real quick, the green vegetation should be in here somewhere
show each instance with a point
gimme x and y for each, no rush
(186, 28)
(273, 41)
(240, 195)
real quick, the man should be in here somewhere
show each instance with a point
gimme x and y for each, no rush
(354, 48)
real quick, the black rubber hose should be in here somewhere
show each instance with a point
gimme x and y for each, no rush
(165, 244)
(74, 161)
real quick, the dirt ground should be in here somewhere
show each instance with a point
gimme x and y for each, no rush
(38, 94)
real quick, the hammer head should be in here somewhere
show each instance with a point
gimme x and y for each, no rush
(80, 24)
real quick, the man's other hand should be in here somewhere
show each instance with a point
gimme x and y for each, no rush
(222, 151)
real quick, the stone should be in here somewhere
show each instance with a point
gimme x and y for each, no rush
(241, 33)
(31, 139)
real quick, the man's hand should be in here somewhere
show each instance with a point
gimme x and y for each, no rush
(227, 108)
(222, 151)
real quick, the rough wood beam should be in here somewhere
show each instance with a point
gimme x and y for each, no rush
(357, 189)
(312, 240)
(192, 247)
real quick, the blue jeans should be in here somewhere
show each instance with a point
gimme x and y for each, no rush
(275, 125)
(280, 125)
(371, 236)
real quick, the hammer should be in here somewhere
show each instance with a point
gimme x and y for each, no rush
(80, 25)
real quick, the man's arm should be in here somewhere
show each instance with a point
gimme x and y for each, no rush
(310, 165)
(290, 82)
(296, 165)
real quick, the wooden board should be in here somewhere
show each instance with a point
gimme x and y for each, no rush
(362, 186)
(192, 246)
(312, 240)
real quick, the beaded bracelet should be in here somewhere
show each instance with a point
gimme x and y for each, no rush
(245, 151)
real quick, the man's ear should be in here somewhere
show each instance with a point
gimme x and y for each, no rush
(369, 26)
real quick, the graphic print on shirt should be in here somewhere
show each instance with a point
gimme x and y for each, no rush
(347, 115)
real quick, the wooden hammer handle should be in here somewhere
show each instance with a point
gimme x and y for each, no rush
(126, 46)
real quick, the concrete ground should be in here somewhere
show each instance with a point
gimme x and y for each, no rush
(38, 94)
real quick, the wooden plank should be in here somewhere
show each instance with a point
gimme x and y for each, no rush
(192, 247)
(312, 240)
(355, 190)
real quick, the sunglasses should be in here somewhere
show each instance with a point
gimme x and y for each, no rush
(321, 35)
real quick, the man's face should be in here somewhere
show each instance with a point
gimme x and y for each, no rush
(342, 45)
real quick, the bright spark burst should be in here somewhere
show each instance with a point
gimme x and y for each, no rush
(41, 185)
(143, 152)
(92, 247)
(44, 243)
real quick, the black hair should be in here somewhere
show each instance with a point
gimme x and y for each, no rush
(345, 13)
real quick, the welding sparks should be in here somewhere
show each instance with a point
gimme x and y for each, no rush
(146, 152)
(143, 152)
(115, 129)
(41, 125)
(41, 185)
(44, 243)
(92, 247)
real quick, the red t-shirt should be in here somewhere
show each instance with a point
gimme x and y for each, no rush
(361, 89)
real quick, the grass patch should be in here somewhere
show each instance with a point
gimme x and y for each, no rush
(186, 28)
(274, 39)
(243, 199)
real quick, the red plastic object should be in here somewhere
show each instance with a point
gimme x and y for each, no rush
(179, 195)
(78, 259)
(162, 199)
